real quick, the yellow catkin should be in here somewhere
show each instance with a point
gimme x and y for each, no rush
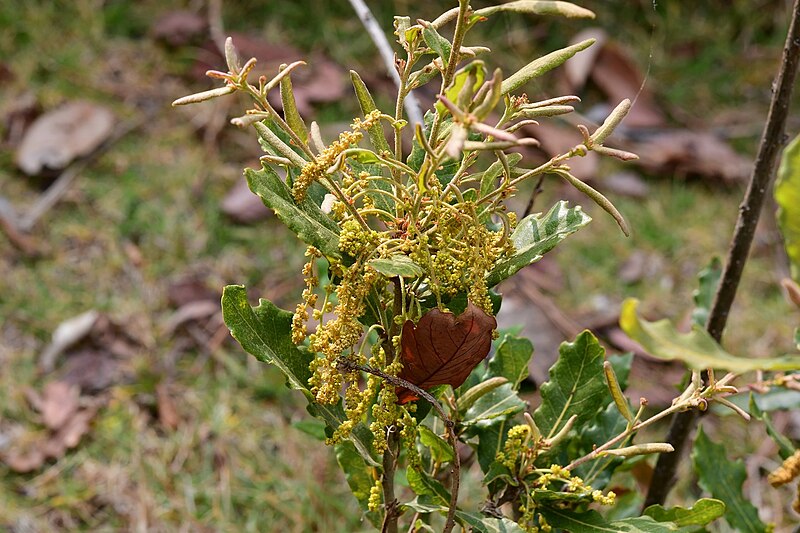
(785, 473)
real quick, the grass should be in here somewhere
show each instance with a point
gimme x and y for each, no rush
(146, 214)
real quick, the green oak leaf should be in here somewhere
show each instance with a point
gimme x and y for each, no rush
(576, 387)
(266, 332)
(787, 196)
(702, 513)
(305, 219)
(723, 479)
(593, 522)
(535, 235)
(423, 484)
(359, 477)
(511, 359)
(440, 448)
(697, 348)
(501, 402)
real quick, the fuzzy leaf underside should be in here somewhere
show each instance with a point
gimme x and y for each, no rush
(538, 7)
(535, 235)
(697, 348)
(723, 478)
(787, 196)
(305, 219)
(544, 64)
(576, 386)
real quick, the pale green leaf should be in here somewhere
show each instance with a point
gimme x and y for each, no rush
(593, 522)
(423, 484)
(539, 66)
(787, 196)
(490, 175)
(535, 235)
(290, 113)
(367, 105)
(576, 386)
(437, 43)
(397, 266)
(266, 332)
(723, 479)
(500, 402)
(358, 476)
(697, 348)
(305, 219)
(511, 359)
(440, 448)
(703, 512)
(475, 70)
(538, 7)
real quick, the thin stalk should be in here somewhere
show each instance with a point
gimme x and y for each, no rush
(772, 141)
(389, 500)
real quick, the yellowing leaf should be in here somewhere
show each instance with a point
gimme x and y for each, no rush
(697, 348)
(787, 195)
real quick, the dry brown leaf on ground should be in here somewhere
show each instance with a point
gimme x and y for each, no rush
(167, 411)
(190, 288)
(18, 113)
(179, 28)
(66, 417)
(59, 402)
(689, 153)
(58, 137)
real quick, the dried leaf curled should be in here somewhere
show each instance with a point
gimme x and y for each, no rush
(442, 349)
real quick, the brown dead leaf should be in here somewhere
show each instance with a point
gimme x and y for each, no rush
(18, 114)
(191, 312)
(190, 289)
(59, 403)
(92, 370)
(690, 153)
(242, 206)
(443, 349)
(179, 28)
(60, 136)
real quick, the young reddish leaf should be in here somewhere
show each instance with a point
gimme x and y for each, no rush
(442, 349)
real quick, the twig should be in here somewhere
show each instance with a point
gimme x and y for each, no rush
(345, 364)
(390, 501)
(772, 141)
(385, 48)
(62, 184)
(19, 240)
